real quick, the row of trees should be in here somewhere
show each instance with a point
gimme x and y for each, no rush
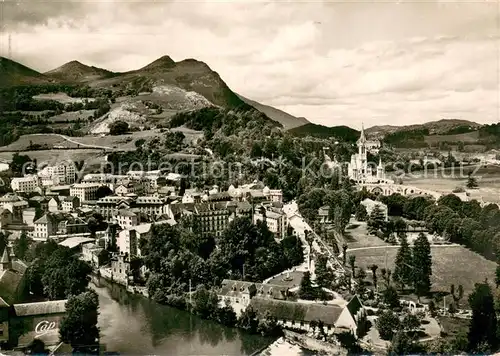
(463, 222)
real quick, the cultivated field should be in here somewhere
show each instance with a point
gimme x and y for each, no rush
(450, 265)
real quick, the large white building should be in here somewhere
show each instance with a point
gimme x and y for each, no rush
(63, 173)
(26, 184)
(359, 169)
(84, 191)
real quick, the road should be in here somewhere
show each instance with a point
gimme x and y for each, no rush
(300, 226)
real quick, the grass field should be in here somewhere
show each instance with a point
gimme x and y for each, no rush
(91, 156)
(63, 98)
(72, 116)
(450, 265)
(356, 236)
(46, 140)
(296, 278)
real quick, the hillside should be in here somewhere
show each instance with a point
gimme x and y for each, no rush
(13, 73)
(288, 121)
(343, 133)
(190, 75)
(172, 86)
(439, 127)
(76, 72)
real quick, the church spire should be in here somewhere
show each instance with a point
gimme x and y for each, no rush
(362, 137)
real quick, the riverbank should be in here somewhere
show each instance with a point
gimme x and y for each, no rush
(132, 324)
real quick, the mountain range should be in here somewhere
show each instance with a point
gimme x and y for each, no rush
(164, 77)
(195, 84)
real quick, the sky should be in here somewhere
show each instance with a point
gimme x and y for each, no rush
(334, 63)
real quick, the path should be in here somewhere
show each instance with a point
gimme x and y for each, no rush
(76, 142)
(397, 246)
(300, 226)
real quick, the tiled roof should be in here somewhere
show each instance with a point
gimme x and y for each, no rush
(285, 310)
(127, 213)
(354, 305)
(73, 242)
(41, 308)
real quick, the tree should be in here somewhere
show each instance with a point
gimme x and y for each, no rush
(63, 274)
(376, 221)
(352, 263)
(402, 344)
(118, 128)
(387, 323)
(344, 254)
(103, 191)
(79, 326)
(459, 295)
(22, 246)
(483, 325)
(205, 302)
(361, 213)
(248, 320)
(497, 275)
(226, 315)
(390, 297)
(340, 203)
(422, 265)
(324, 275)
(410, 323)
(37, 347)
(306, 290)
(374, 268)
(471, 182)
(403, 265)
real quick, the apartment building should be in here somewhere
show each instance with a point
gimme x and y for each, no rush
(110, 206)
(63, 173)
(276, 221)
(84, 191)
(273, 195)
(127, 219)
(129, 188)
(213, 218)
(26, 184)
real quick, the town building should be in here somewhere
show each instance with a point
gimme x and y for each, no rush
(125, 189)
(275, 220)
(370, 204)
(63, 173)
(273, 195)
(84, 191)
(31, 321)
(26, 184)
(127, 218)
(90, 253)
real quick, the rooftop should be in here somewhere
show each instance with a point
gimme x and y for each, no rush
(41, 308)
(73, 242)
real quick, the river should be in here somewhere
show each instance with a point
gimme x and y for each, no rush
(131, 324)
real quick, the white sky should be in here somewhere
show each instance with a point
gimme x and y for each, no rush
(335, 63)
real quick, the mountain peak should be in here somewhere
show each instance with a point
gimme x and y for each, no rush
(77, 71)
(160, 63)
